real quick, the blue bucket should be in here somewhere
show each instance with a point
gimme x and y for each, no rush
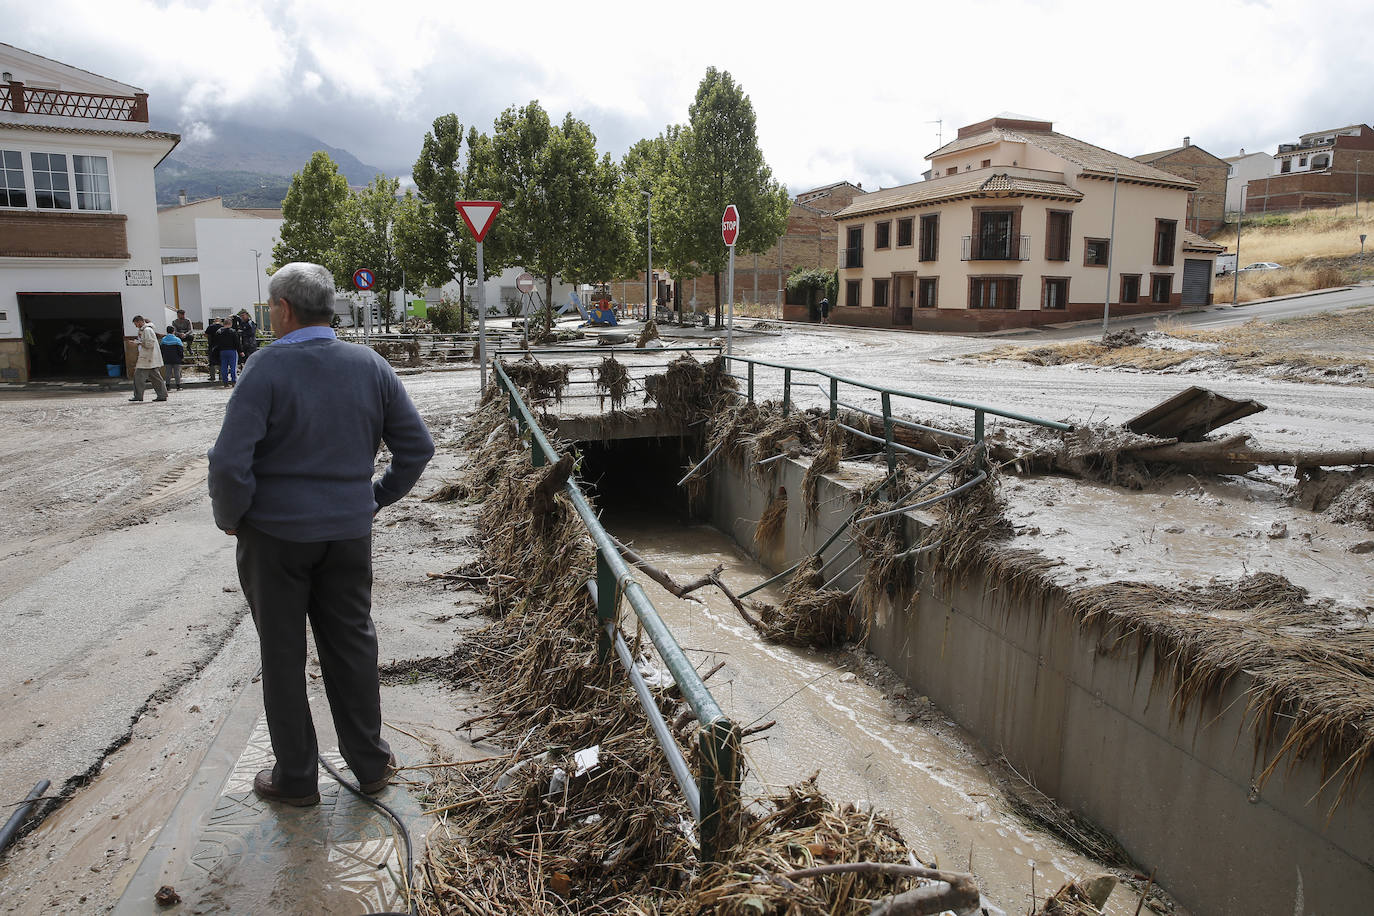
(115, 370)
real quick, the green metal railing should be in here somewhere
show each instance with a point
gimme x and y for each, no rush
(714, 795)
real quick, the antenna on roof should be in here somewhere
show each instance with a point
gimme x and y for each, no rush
(939, 132)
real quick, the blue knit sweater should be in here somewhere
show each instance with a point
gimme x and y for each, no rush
(301, 432)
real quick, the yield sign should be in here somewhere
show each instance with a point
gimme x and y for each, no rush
(478, 214)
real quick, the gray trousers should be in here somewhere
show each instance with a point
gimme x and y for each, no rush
(330, 583)
(141, 379)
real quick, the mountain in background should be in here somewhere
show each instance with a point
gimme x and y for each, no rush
(249, 166)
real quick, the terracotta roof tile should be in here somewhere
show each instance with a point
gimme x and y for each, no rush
(142, 134)
(970, 184)
(1194, 242)
(1093, 160)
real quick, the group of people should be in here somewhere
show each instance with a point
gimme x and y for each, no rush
(230, 341)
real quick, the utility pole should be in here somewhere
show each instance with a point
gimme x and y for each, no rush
(1240, 218)
(257, 255)
(1357, 189)
(1111, 253)
(649, 273)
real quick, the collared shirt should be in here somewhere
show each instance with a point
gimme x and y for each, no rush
(309, 332)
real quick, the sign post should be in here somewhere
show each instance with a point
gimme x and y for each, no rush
(525, 284)
(363, 280)
(729, 231)
(479, 215)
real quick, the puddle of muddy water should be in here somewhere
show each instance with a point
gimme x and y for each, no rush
(927, 774)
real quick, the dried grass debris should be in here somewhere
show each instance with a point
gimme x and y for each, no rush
(613, 381)
(688, 390)
(541, 382)
(810, 614)
(647, 333)
(773, 520)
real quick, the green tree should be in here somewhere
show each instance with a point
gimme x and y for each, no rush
(558, 196)
(364, 234)
(718, 162)
(643, 169)
(309, 211)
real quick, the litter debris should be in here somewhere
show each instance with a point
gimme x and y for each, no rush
(1191, 414)
(587, 759)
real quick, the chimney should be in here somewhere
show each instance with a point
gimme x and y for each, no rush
(181, 197)
(1187, 141)
(1242, 151)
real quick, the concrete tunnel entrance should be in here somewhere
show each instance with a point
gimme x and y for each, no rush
(637, 476)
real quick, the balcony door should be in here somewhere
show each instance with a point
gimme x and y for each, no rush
(995, 235)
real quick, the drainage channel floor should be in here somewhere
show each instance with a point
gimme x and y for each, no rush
(224, 850)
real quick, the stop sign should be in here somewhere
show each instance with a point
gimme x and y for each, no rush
(729, 226)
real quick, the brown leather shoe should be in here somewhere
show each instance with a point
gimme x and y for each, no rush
(372, 788)
(262, 785)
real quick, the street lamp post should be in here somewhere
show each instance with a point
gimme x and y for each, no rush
(649, 273)
(257, 272)
(1357, 189)
(1240, 218)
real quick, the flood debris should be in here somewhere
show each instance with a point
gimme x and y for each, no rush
(1085, 897)
(542, 382)
(1038, 810)
(612, 381)
(1191, 414)
(530, 830)
(647, 333)
(774, 518)
(810, 614)
(688, 389)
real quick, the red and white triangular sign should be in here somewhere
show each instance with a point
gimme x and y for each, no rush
(478, 214)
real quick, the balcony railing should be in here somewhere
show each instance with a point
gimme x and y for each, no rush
(1015, 248)
(20, 99)
(853, 257)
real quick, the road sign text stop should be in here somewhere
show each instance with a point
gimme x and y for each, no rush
(729, 226)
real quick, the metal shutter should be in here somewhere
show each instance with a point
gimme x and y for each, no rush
(1196, 280)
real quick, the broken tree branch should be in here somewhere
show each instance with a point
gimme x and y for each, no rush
(955, 891)
(739, 605)
(662, 577)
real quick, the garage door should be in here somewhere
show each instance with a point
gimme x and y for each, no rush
(1197, 276)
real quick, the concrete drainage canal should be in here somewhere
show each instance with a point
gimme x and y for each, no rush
(795, 681)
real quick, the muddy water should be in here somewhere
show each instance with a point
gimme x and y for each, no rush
(927, 773)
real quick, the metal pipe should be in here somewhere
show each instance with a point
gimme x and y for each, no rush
(907, 423)
(676, 762)
(11, 828)
(973, 481)
(1111, 253)
(896, 445)
(930, 398)
(709, 456)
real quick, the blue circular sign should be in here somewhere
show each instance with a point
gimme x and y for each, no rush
(364, 279)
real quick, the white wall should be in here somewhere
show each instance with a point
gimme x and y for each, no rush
(131, 193)
(230, 277)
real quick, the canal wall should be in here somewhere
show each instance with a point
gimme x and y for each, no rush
(1084, 718)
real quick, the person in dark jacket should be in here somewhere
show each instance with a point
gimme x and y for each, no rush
(227, 342)
(248, 335)
(173, 355)
(212, 346)
(291, 477)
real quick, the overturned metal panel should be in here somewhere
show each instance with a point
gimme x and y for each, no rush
(1191, 414)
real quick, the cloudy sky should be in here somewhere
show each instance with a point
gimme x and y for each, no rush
(842, 91)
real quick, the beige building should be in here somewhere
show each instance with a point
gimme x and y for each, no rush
(1016, 230)
(1207, 204)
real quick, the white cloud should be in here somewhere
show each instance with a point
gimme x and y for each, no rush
(841, 92)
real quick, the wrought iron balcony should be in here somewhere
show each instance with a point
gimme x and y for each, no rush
(21, 99)
(1014, 248)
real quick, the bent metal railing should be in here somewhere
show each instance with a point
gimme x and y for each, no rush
(714, 794)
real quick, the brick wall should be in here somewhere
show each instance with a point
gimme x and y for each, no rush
(45, 234)
(1327, 188)
(1206, 205)
(811, 240)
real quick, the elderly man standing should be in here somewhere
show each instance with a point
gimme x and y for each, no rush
(291, 477)
(149, 365)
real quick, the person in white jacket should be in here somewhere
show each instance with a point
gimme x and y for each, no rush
(149, 365)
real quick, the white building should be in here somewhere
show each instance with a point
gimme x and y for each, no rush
(215, 258)
(1244, 168)
(78, 217)
(1312, 152)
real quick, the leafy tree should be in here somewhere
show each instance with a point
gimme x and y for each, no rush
(558, 217)
(422, 243)
(309, 211)
(364, 233)
(644, 168)
(718, 162)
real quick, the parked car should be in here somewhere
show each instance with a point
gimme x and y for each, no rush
(1262, 265)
